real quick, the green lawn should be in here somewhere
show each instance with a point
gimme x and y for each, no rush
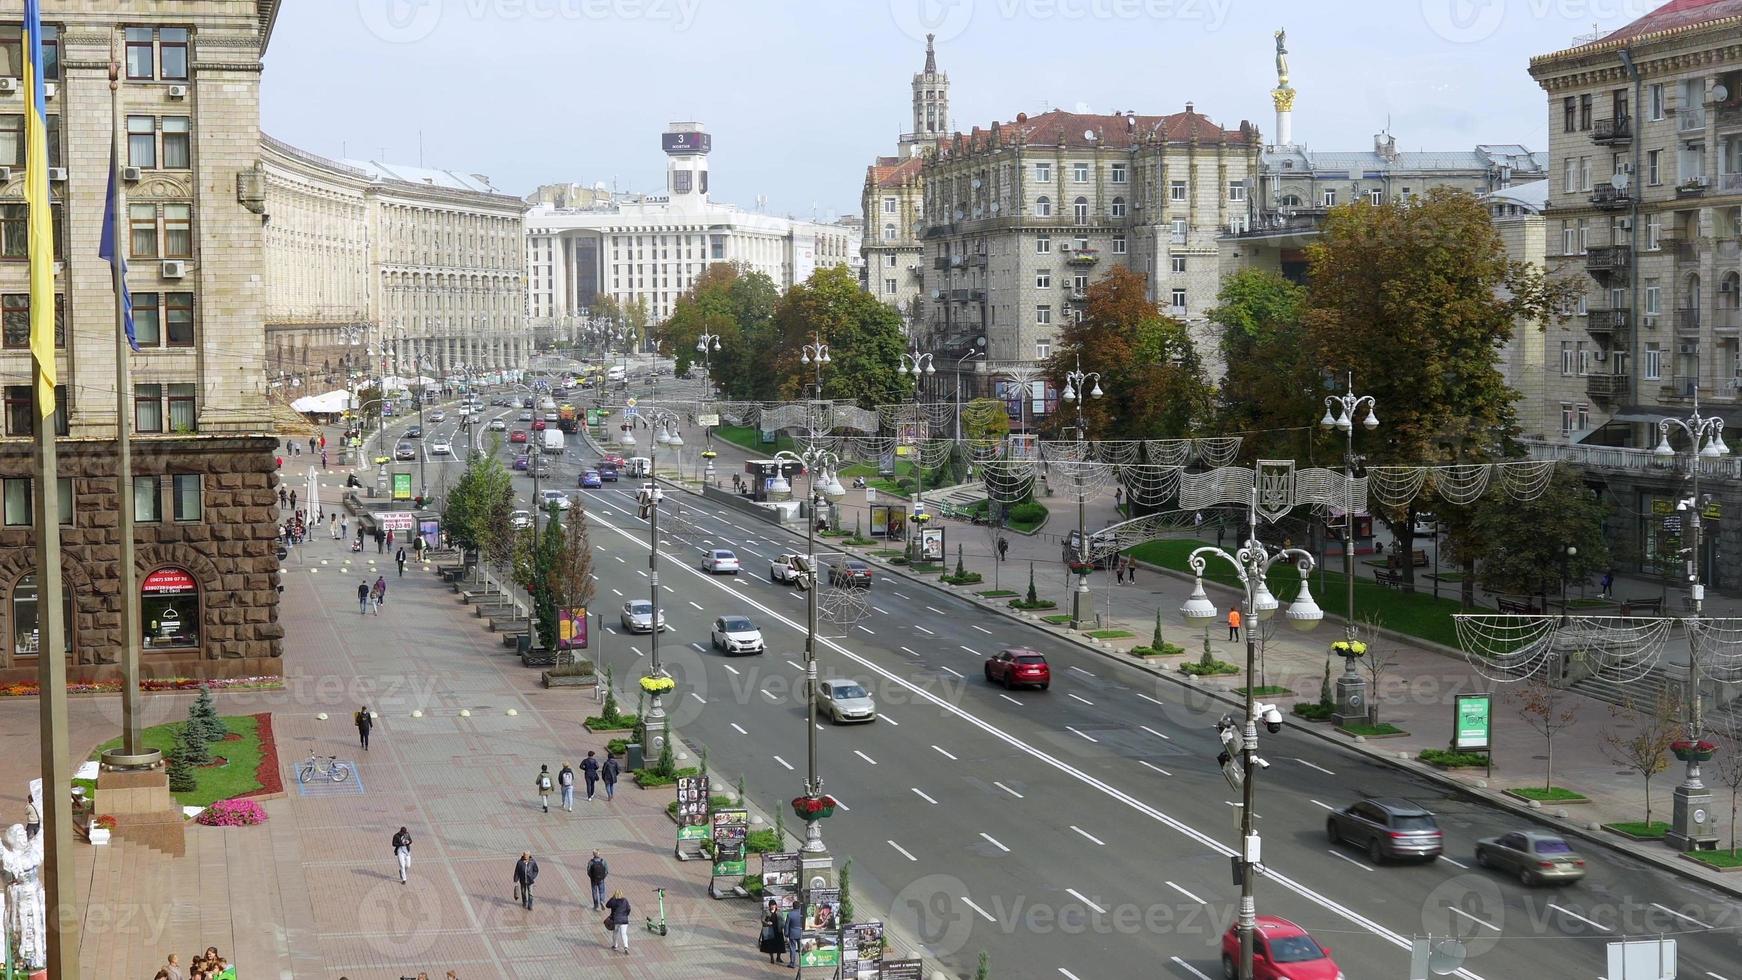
(1655, 830)
(1718, 859)
(1111, 634)
(1265, 691)
(215, 782)
(1552, 794)
(1417, 614)
(750, 438)
(1383, 728)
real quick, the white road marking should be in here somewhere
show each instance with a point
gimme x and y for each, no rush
(637, 650)
(922, 629)
(783, 762)
(641, 572)
(697, 647)
(731, 668)
(881, 610)
(739, 729)
(1082, 699)
(1458, 911)
(794, 666)
(1080, 670)
(698, 697)
(1571, 914)
(864, 756)
(1148, 698)
(1011, 700)
(1091, 837)
(981, 629)
(1714, 976)
(1325, 805)
(1069, 974)
(935, 609)
(1164, 772)
(1155, 733)
(1687, 918)
(896, 594)
(839, 803)
(944, 753)
(906, 650)
(748, 551)
(619, 558)
(921, 794)
(1457, 864)
(770, 695)
(1194, 971)
(994, 842)
(1187, 894)
(1073, 731)
(673, 591)
(1344, 857)
(694, 605)
(956, 672)
(1311, 766)
(899, 848)
(1079, 896)
(983, 913)
(616, 593)
(866, 630)
(973, 651)
(795, 595)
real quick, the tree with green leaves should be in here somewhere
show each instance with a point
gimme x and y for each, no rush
(180, 769)
(1641, 735)
(190, 743)
(1272, 380)
(479, 503)
(667, 763)
(1519, 546)
(863, 334)
(845, 909)
(1151, 381)
(203, 717)
(1416, 297)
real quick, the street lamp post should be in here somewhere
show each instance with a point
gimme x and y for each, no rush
(1077, 392)
(821, 463)
(1690, 826)
(818, 354)
(959, 362)
(1340, 412)
(665, 433)
(706, 344)
(1252, 564)
(918, 364)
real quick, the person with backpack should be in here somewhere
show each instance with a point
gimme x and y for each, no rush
(544, 785)
(566, 780)
(590, 766)
(597, 872)
(402, 851)
(609, 772)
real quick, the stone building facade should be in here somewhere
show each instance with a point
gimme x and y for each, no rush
(380, 268)
(203, 481)
(894, 205)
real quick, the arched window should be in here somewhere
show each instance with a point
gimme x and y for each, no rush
(889, 233)
(1043, 207)
(169, 609)
(1290, 201)
(1080, 207)
(26, 640)
(1118, 207)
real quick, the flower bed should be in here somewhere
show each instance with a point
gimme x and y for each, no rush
(266, 773)
(232, 813)
(29, 689)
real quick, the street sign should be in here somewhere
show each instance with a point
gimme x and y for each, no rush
(707, 420)
(1472, 721)
(1642, 959)
(397, 520)
(630, 402)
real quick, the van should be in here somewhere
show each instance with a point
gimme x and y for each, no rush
(614, 373)
(553, 441)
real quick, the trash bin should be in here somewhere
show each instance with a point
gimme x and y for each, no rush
(523, 644)
(636, 758)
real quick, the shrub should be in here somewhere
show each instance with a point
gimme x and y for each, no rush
(232, 813)
(106, 822)
(1027, 512)
(1448, 759)
(181, 773)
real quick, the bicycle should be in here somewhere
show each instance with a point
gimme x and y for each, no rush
(327, 766)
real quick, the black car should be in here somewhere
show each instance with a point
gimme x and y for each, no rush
(414, 432)
(850, 573)
(1388, 828)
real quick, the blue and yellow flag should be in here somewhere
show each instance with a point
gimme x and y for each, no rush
(40, 236)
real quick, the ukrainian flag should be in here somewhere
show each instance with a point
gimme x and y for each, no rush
(41, 220)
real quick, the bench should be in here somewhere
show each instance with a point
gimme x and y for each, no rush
(1517, 608)
(1634, 607)
(1390, 580)
(1418, 558)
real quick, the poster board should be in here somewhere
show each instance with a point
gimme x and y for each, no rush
(931, 544)
(880, 520)
(861, 951)
(402, 486)
(692, 815)
(731, 830)
(821, 942)
(571, 628)
(1472, 722)
(780, 878)
(901, 970)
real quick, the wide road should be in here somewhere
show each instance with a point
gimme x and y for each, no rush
(1084, 831)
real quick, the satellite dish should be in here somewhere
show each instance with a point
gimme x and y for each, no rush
(975, 183)
(959, 214)
(1089, 135)
(1445, 956)
(980, 341)
(1720, 93)
(995, 207)
(1619, 181)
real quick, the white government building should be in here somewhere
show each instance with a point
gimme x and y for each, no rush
(650, 249)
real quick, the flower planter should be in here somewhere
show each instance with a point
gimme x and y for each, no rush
(1691, 751)
(658, 685)
(99, 836)
(807, 809)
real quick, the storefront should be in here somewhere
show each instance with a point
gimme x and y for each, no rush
(1666, 531)
(169, 608)
(26, 638)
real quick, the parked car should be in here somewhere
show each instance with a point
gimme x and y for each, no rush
(441, 447)
(785, 569)
(520, 519)
(549, 498)
(736, 634)
(1537, 857)
(1388, 828)
(850, 572)
(1281, 950)
(405, 450)
(1019, 665)
(518, 435)
(438, 416)
(720, 560)
(613, 459)
(845, 701)
(637, 616)
(590, 480)
(498, 425)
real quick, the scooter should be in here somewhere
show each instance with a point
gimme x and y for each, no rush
(658, 928)
(859, 483)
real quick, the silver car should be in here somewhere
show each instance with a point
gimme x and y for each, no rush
(844, 701)
(720, 560)
(637, 616)
(737, 634)
(1537, 857)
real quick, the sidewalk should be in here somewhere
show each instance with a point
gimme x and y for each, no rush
(314, 892)
(1416, 693)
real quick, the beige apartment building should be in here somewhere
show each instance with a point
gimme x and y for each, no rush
(202, 487)
(892, 202)
(1645, 209)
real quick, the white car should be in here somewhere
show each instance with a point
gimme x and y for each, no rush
(736, 634)
(637, 617)
(498, 425)
(785, 569)
(520, 519)
(720, 560)
(556, 497)
(438, 416)
(441, 447)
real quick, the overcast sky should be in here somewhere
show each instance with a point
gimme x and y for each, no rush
(800, 95)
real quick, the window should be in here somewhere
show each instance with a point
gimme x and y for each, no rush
(1653, 362)
(1118, 207)
(139, 53)
(1653, 298)
(1043, 279)
(26, 628)
(1043, 244)
(142, 142)
(1043, 172)
(1655, 93)
(1570, 175)
(185, 496)
(889, 205)
(889, 233)
(1236, 190)
(169, 608)
(1043, 207)
(1330, 197)
(1118, 173)
(1569, 114)
(1375, 197)
(889, 286)
(682, 181)
(1654, 167)
(1654, 232)
(1080, 284)
(17, 507)
(1179, 264)
(1179, 299)
(1043, 314)
(15, 231)
(1584, 236)
(15, 321)
(173, 53)
(1080, 173)
(1566, 419)
(1178, 228)
(1042, 349)
(147, 408)
(1584, 173)
(889, 260)
(1176, 190)
(142, 230)
(1584, 417)
(177, 143)
(1584, 358)
(1118, 244)
(1585, 112)
(1080, 210)
(1567, 363)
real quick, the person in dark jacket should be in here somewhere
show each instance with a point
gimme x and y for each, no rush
(597, 872)
(402, 851)
(619, 921)
(365, 722)
(363, 598)
(793, 928)
(609, 771)
(400, 558)
(590, 769)
(525, 873)
(770, 940)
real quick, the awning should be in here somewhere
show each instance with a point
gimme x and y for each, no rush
(331, 403)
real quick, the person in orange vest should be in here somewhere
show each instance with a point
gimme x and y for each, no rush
(1233, 624)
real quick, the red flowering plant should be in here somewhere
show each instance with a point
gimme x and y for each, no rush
(232, 813)
(1693, 750)
(813, 807)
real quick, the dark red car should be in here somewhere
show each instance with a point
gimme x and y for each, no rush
(1019, 665)
(538, 426)
(518, 435)
(1281, 950)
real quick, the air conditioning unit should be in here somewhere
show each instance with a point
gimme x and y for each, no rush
(178, 91)
(1626, 224)
(174, 269)
(1602, 355)
(130, 174)
(49, 89)
(8, 86)
(1064, 246)
(5, 174)
(57, 175)
(1688, 348)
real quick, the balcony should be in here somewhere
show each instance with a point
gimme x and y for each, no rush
(1605, 261)
(1608, 321)
(1680, 386)
(1612, 132)
(976, 261)
(1687, 320)
(1690, 118)
(941, 262)
(1727, 321)
(1729, 114)
(1084, 256)
(959, 295)
(1608, 387)
(1730, 183)
(1611, 198)
(1621, 459)
(1692, 187)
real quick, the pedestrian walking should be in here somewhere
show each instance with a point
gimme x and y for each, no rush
(400, 558)
(365, 722)
(609, 772)
(1119, 499)
(1233, 624)
(525, 873)
(597, 872)
(380, 542)
(389, 539)
(380, 593)
(362, 598)
(618, 920)
(293, 500)
(402, 851)
(1003, 546)
(283, 498)
(1119, 570)
(565, 780)
(1608, 584)
(311, 444)
(769, 939)
(32, 817)
(544, 786)
(323, 442)
(590, 767)
(344, 526)
(323, 459)
(793, 929)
